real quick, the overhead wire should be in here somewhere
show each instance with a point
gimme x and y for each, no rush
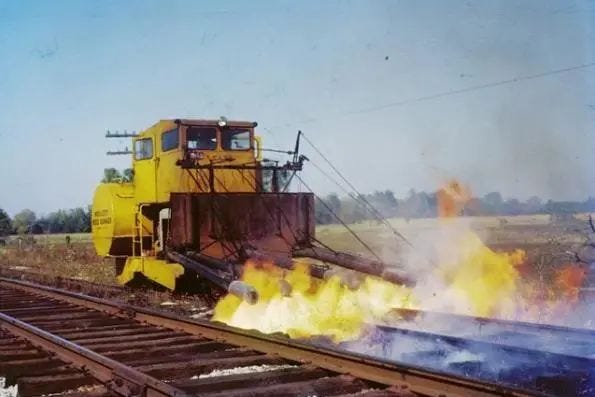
(336, 216)
(330, 210)
(403, 103)
(361, 196)
(472, 88)
(366, 204)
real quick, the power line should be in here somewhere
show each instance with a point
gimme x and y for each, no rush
(330, 210)
(443, 94)
(363, 199)
(473, 88)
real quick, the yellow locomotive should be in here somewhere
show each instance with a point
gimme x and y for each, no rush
(202, 202)
(200, 198)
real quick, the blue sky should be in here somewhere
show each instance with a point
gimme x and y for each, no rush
(70, 70)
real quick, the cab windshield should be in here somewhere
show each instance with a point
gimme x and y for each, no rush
(203, 138)
(235, 139)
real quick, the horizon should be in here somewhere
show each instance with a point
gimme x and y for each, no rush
(345, 196)
(401, 95)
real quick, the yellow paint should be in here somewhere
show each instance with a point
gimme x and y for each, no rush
(112, 216)
(118, 220)
(157, 270)
(258, 142)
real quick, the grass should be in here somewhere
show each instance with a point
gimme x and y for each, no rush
(78, 261)
(57, 238)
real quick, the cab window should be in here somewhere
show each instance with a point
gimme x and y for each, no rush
(143, 149)
(235, 139)
(203, 138)
(169, 140)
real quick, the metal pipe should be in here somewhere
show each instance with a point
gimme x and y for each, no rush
(285, 288)
(244, 291)
(283, 261)
(357, 263)
(349, 279)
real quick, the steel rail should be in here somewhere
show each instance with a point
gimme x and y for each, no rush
(476, 346)
(119, 378)
(397, 376)
(411, 314)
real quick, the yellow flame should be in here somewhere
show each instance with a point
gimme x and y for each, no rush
(315, 307)
(487, 280)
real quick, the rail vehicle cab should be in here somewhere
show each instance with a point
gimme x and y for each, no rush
(165, 153)
(198, 186)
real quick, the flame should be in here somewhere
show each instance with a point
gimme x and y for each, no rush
(466, 277)
(452, 198)
(485, 279)
(314, 307)
(568, 279)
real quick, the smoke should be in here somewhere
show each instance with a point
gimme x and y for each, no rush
(430, 248)
(456, 272)
(6, 390)
(523, 357)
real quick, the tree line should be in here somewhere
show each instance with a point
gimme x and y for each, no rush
(384, 204)
(75, 220)
(329, 209)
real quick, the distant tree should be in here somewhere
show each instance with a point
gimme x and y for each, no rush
(80, 220)
(512, 207)
(323, 211)
(5, 223)
(533, 205)
(353, 211)
(76, 220)
(23, 221)
(334, 202)
(493, 203)
(493, 199)
(111, 175)
(128, 175)
(418, 205)
(36, 228)
(383, 202)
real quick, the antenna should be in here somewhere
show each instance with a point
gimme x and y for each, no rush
(119, 152)
(118, 134)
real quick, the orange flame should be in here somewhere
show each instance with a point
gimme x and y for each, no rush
(452, 199)
(569, 279)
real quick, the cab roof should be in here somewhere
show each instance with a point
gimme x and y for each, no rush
(215, 122)
(165, 124)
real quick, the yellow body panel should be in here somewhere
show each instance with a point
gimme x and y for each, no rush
(112, 216)
(160, 271)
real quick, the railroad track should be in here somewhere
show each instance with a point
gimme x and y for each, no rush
(49, 335)
(555, 359)
(557, 340)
